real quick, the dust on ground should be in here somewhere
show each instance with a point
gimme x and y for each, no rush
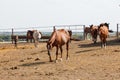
(87, 61)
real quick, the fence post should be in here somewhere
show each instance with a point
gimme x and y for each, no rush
(54, 28)
(12, 35)
(84, 31)
(117, 34)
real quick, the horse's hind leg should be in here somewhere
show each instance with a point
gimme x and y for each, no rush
(61, 53)
(67, 47)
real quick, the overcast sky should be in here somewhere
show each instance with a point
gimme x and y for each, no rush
(33, 13)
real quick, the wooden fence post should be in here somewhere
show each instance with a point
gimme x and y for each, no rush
(117, 34)
(12, 35)
(54, 29)
(84, 31)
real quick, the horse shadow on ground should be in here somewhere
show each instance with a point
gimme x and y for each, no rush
(83, 51)
(88, 45)
(98, 45)
(34, 63)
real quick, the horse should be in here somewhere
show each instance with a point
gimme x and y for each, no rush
(57, 39)
(16, 40)
(36, 36)
(29, 35)
(86, 31)
(103, 33)
(94, 33)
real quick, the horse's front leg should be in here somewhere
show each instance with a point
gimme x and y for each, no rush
(48, 48)
(101, 42)
(57, 53)
(105, 43)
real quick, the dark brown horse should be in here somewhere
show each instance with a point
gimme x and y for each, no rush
(58, 39)
(86, 31)
(30, 35)
(103, 33)
(94, 32)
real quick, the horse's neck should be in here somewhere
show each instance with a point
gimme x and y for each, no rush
(53, 37)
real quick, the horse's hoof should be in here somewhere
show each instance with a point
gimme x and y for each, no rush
(51, 60)
(60, 59)
(56, 61)
(67, 58)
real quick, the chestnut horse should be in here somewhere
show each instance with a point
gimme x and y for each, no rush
(86, 31)
(103, 33)
(94, 32)
(58, 39)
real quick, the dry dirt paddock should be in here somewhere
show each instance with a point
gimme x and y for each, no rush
(87, 62)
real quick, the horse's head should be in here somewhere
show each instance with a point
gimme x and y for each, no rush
(104, 24)
(94, 32)
(70, 34)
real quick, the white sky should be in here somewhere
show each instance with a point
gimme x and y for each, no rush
(33, 13)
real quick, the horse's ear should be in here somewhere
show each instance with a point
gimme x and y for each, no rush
(54, 29)
(91, 25)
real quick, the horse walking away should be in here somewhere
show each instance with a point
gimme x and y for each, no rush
(87, 31)
(103, 33)
(58, 38)
(94, 33)
(36, 36)
(29, 35)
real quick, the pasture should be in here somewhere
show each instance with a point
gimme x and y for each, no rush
(87, 61)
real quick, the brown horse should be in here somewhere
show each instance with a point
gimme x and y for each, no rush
(86, 31)
(30, 35)
(103, 33)
(94, 32)
(58, 39)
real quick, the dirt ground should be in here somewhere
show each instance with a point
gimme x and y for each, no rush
(87, 62)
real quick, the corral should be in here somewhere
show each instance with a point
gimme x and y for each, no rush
(87, 62)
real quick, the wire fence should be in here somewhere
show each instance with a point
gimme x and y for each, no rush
(5, 34)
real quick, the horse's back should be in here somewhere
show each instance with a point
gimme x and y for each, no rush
(36, 34)
(59, 37)
(103, 30)
(63, 36)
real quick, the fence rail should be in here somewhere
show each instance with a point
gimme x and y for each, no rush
(78, 30)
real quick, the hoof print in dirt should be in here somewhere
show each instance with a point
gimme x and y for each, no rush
(49, 74)
(29, 58)
(13, 68)
(37, 59)
(21, 60)
(116, 50)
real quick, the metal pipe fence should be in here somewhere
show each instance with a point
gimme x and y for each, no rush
(5, 34)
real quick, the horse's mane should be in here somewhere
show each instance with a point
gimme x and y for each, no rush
(52, 38)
